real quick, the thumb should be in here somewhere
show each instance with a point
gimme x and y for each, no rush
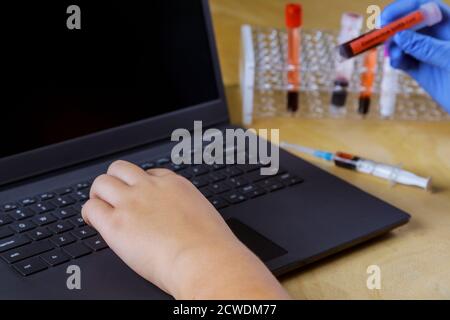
(424, 48)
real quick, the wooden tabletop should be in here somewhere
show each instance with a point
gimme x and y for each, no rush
(415, 259)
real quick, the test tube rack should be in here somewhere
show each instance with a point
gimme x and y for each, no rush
(263, 72)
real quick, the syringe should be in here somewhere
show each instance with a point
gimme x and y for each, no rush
(380, 170)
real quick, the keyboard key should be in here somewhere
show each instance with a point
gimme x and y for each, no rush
(42, 207)
(199, 170)
(267, 182)
(77, 207)
(247, 189)
(217, 176)
(162, 161)
(63, 201)
(77, 221)
(234, 197)
(60, 227)
(14, 242)
(96, 243)
(46, 196)
(251, 191)
(20, 214)
(275, 187)
(255, 176)
(5, 219)
(39, 234)
(65, 213)
(82, 186)
(55, 257)
(289, 179)
(28, 201)
(77, 250)
(30, 266)
(271, 184)
(22, 226)
(175, 167)
(81, 196)
(238, 182)
(186, 173)
(64, 191)
(249, 167)
(44, 219)
(8, 207)
(27, 251)
(218, 166)
(219, 188)
(63, 239)
(218, 203)
(206, 192)
(200, 181)
(147, 166)
(5, 232)
(232, 171)
(84, 232)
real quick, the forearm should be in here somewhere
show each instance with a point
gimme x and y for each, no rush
(225, 272)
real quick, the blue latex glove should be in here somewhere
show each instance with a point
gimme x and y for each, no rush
(425, 54)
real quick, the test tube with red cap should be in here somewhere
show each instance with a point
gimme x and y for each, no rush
(293, 24)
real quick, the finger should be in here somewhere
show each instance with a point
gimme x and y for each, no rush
(400, 60)
(160, 172)
(424, 48)
(97, 213)
(109, 189)
(399, 9)
(126, 171)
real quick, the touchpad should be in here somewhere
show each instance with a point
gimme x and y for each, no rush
(261, 246)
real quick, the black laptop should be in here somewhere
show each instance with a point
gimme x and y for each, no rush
(75, 99)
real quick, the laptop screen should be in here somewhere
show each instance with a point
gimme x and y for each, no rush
(71, 73)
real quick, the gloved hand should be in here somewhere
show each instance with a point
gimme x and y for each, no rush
(425, 54)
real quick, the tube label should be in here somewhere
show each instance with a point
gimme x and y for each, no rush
(294, 59)
(376, 37)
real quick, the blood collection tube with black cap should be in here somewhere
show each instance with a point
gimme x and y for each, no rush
(351, 25)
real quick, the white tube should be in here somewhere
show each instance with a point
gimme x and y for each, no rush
(247, 74)
(389, 89)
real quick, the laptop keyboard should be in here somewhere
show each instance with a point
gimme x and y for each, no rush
(43, 231)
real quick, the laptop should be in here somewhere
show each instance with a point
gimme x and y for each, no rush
(76, 99)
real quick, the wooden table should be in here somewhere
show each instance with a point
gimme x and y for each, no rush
(415, 259)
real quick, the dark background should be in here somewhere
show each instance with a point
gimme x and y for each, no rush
(129, 61)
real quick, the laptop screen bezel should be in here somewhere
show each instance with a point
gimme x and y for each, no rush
(104, 143)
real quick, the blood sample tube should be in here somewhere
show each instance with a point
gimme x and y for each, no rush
(367, 81)
(351, 25)
(293, 25)
(427, 15)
